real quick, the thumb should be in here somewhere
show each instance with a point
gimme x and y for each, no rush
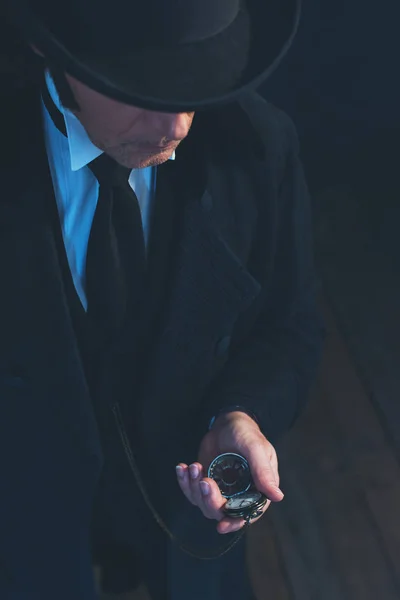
(262, 471)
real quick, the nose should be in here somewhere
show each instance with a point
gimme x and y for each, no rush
(175, 127)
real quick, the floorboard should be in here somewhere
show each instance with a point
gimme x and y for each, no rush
(338, 528)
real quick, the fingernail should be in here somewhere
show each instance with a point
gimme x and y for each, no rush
(194, 471)
(280, 492)
(205, 488)
(180, 471)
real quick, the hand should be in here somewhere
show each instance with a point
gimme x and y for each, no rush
(232, 432)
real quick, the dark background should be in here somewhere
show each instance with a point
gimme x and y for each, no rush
(340, 84)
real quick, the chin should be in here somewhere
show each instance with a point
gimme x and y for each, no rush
(141, 160)
(153, 160)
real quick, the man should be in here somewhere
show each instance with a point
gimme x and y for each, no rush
(157, 299)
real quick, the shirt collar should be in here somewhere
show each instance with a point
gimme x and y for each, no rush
(81, 149)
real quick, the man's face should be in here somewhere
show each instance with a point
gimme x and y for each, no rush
(134, 137)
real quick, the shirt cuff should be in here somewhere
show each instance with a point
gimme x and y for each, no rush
(229, 409)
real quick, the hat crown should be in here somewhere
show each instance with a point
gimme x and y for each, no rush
(163, 55)
(135, 23)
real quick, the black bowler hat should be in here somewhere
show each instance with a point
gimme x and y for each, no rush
(165, 55)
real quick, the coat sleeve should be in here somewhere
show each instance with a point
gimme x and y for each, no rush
(270, 372)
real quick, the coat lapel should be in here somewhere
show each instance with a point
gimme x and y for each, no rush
(194, 252)
(37, 339)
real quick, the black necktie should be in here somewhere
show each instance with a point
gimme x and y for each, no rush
(115, 264)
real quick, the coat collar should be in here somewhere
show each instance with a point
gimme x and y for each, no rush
(229, 129)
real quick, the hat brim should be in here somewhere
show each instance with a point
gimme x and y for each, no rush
(185, 78)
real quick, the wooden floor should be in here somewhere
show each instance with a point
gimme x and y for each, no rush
(336, 535)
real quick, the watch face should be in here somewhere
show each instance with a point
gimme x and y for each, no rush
(243, 501)
(231, 472)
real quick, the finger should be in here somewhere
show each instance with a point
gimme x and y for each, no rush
(229, 525)
(195, 476)
(209, 498)
(182, 473)
(212, 499)
(275, 468)
(263, 473)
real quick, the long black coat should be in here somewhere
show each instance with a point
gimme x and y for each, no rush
(231, 321)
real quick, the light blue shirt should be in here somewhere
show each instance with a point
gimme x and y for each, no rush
(76, 188)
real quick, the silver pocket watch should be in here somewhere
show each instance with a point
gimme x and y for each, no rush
(231, 472)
